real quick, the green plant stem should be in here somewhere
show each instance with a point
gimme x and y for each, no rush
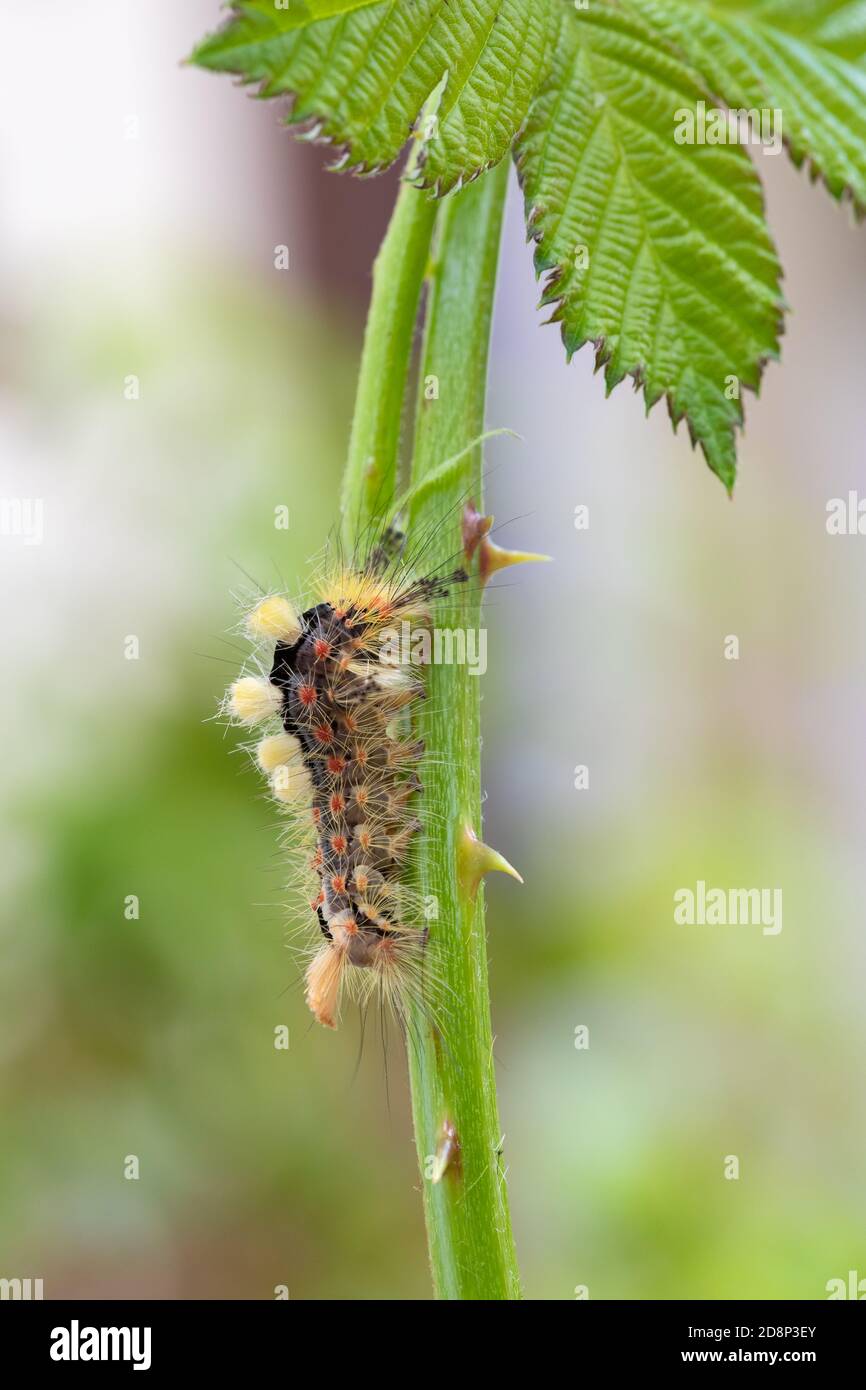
(398, 277)
(453, 1086)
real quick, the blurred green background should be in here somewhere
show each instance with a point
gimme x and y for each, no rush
(153, 254)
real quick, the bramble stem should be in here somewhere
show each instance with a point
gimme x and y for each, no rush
(453, 1087)
(369, 482)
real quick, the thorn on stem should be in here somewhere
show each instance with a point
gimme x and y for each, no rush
(475, 859)
(475, 528)
(491, 557)
(447, 1153)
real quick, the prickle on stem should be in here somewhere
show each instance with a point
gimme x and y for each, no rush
(475, 859)
(491, 557)
(447, 1156)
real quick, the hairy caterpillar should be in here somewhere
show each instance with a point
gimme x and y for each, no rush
(341, 759)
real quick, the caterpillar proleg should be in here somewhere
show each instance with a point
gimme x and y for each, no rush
(334, 697)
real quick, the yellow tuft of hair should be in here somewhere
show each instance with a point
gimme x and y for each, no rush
(376, 601)
(275, 619)
(291, 784)
(252, 699)
(324, 977)
(396, 681)
(276, 751)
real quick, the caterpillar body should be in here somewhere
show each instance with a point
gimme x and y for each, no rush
(342, 761)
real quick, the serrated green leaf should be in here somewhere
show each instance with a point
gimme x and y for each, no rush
(305, 11)
(656, 252)
(363, 76)
(804, 58)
